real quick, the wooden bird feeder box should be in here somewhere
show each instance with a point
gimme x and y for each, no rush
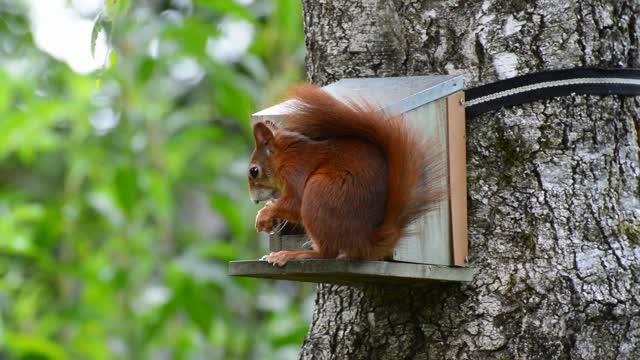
(437, 250)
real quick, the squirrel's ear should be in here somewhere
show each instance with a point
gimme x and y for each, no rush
(262, 133)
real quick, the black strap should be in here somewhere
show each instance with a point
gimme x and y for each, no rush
(547, 84)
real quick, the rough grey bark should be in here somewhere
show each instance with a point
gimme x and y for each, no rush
(554, 195)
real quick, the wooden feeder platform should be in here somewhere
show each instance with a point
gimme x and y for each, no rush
(333, 271)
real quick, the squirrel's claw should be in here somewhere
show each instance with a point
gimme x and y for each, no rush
(279, 258)
(265, 257)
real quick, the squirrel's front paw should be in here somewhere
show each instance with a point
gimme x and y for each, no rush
(264, 221)
(279, 258)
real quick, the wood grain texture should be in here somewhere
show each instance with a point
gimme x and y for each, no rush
(429, 240)
(553, 189)
(457, 155)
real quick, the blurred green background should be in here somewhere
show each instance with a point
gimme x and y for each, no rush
(122, 178)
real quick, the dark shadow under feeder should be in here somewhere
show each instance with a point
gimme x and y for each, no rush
(437, 251)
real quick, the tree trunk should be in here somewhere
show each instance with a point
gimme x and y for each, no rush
(554, 195)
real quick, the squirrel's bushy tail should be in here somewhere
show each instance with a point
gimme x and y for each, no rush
(414, 165)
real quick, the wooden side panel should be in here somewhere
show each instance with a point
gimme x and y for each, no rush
(458, 178)
(430, 242)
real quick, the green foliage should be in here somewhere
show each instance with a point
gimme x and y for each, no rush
(122, 192)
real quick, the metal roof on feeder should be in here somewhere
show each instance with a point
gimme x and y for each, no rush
(394, 95)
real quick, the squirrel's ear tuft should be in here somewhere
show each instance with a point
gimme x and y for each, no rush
(262, 133)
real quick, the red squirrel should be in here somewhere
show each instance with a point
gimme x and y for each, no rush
(354, 177)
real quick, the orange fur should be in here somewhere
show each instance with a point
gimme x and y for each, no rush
(354, 177)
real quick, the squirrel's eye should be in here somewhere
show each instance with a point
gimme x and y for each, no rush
(254, 172)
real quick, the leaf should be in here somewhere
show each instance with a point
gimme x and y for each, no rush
(193, 297)
(160, 196)
(145, 69)
(34, 347)
(192, 36)
(219, 250)
(101, 24)
(28, 212)
(113, 59)
(126, 186)
(227, 7)
(98, 25)
(102, 202)
(117, 8)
